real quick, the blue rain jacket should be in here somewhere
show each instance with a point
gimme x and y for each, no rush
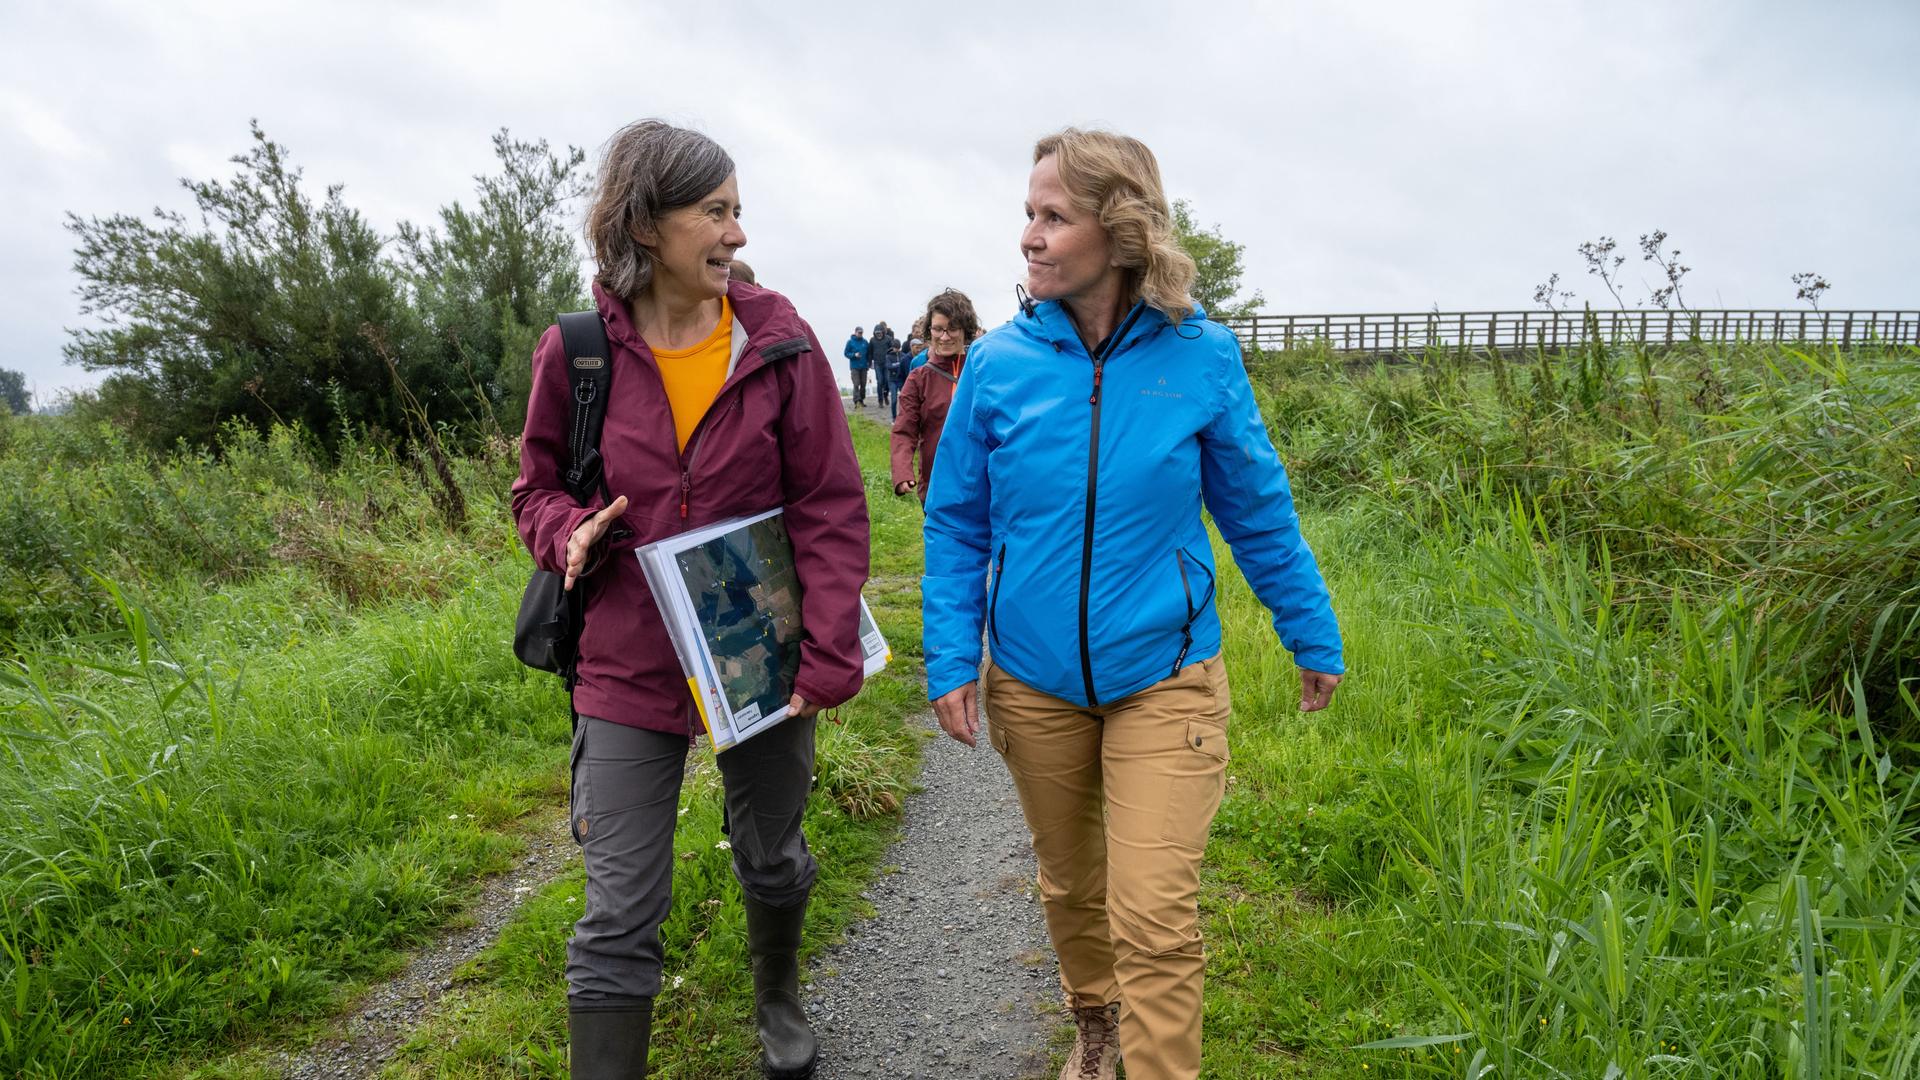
(856, 353)
(919, 360)
(1070, 531)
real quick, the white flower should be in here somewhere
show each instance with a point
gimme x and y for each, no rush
(683, 811)
(453, 817)
(724, 845)
(679, 981)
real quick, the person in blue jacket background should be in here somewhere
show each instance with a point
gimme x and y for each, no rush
(1064, 523)
(857, 363)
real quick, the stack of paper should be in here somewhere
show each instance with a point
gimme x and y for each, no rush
(731, 600)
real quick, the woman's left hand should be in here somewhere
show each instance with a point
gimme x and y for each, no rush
(800, 708)
(1316, 690)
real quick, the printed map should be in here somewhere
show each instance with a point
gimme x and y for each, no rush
(746, 598)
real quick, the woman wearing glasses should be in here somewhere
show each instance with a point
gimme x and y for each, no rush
(1065, 524)
(928, 391)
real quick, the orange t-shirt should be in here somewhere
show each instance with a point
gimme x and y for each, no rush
(694, 375)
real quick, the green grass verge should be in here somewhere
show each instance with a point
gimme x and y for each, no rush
(1596, 801)
(507, 1016)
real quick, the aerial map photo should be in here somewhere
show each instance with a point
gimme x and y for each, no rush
(746, 596)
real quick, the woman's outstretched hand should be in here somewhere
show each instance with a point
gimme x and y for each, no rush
(587, 535)
(1316, 689)
(959, 713)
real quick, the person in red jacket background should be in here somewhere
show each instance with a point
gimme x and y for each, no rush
(924, 397)
(722, 404)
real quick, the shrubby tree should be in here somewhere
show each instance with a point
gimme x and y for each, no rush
(13, 392)
(269, 306)
(1218, 260)
(489, 279)
(264, 305)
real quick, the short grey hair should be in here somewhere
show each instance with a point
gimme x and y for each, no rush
(649, 167)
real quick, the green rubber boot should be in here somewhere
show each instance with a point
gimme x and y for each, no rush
(610, 1043)
(787, 1046)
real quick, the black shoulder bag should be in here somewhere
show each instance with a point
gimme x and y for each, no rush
(546, 634)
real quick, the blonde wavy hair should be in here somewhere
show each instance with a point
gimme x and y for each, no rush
(1117, 179)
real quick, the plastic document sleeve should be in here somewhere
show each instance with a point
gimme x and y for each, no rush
(730, 597)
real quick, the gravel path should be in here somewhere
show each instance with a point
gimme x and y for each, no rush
(954, 976)
(363, 1040)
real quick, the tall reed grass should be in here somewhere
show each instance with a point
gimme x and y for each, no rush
(1623, 782)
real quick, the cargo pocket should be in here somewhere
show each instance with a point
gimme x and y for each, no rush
(579, 813)
(997, 738)
(1200, 776)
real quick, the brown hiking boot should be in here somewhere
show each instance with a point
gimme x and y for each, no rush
(1096, 1044)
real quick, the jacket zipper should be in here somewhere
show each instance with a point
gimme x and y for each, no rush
(692, 454)
(993, 601)
(1186, 629)
(1093, 484)
(779, 350)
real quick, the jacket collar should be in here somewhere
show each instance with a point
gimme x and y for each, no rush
(765, 326)
(1049, 323)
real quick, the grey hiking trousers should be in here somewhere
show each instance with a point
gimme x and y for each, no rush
(626, 799)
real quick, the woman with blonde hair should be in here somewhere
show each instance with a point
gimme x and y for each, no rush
(1064, 522)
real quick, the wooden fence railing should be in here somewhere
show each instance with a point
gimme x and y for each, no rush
(1411, 332)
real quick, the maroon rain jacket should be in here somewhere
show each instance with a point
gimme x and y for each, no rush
(774, 437)
(924, 400)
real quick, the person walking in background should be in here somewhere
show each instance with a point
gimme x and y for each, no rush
(1064, 520)
(711, 413)
(856, 353)
(917, 347)
(877, 355)
(928, 391)
(896, 375)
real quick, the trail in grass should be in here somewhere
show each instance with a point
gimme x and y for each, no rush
(361, 1041)
(953, 976)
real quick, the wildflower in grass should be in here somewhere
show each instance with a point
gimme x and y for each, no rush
(724, 845)
(679, 981)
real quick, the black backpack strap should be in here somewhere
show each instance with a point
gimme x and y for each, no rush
(590, 377)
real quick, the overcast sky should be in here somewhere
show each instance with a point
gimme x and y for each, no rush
(1380, 156)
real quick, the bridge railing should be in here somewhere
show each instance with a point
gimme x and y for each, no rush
(1411, 332)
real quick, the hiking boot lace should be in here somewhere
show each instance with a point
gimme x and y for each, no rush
(1099, 1035)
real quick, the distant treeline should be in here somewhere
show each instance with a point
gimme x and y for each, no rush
(268, 306)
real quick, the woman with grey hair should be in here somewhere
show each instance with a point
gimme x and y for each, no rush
(722, 404)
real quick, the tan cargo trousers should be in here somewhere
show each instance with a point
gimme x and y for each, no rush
(1120, 874)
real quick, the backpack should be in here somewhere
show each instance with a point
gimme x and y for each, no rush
(546, 633)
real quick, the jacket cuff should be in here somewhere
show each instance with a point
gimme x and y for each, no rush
(814, 694)
(1324, 660)
(575, 515)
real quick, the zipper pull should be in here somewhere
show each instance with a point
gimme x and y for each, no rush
(1095, 399)
(686, 487)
